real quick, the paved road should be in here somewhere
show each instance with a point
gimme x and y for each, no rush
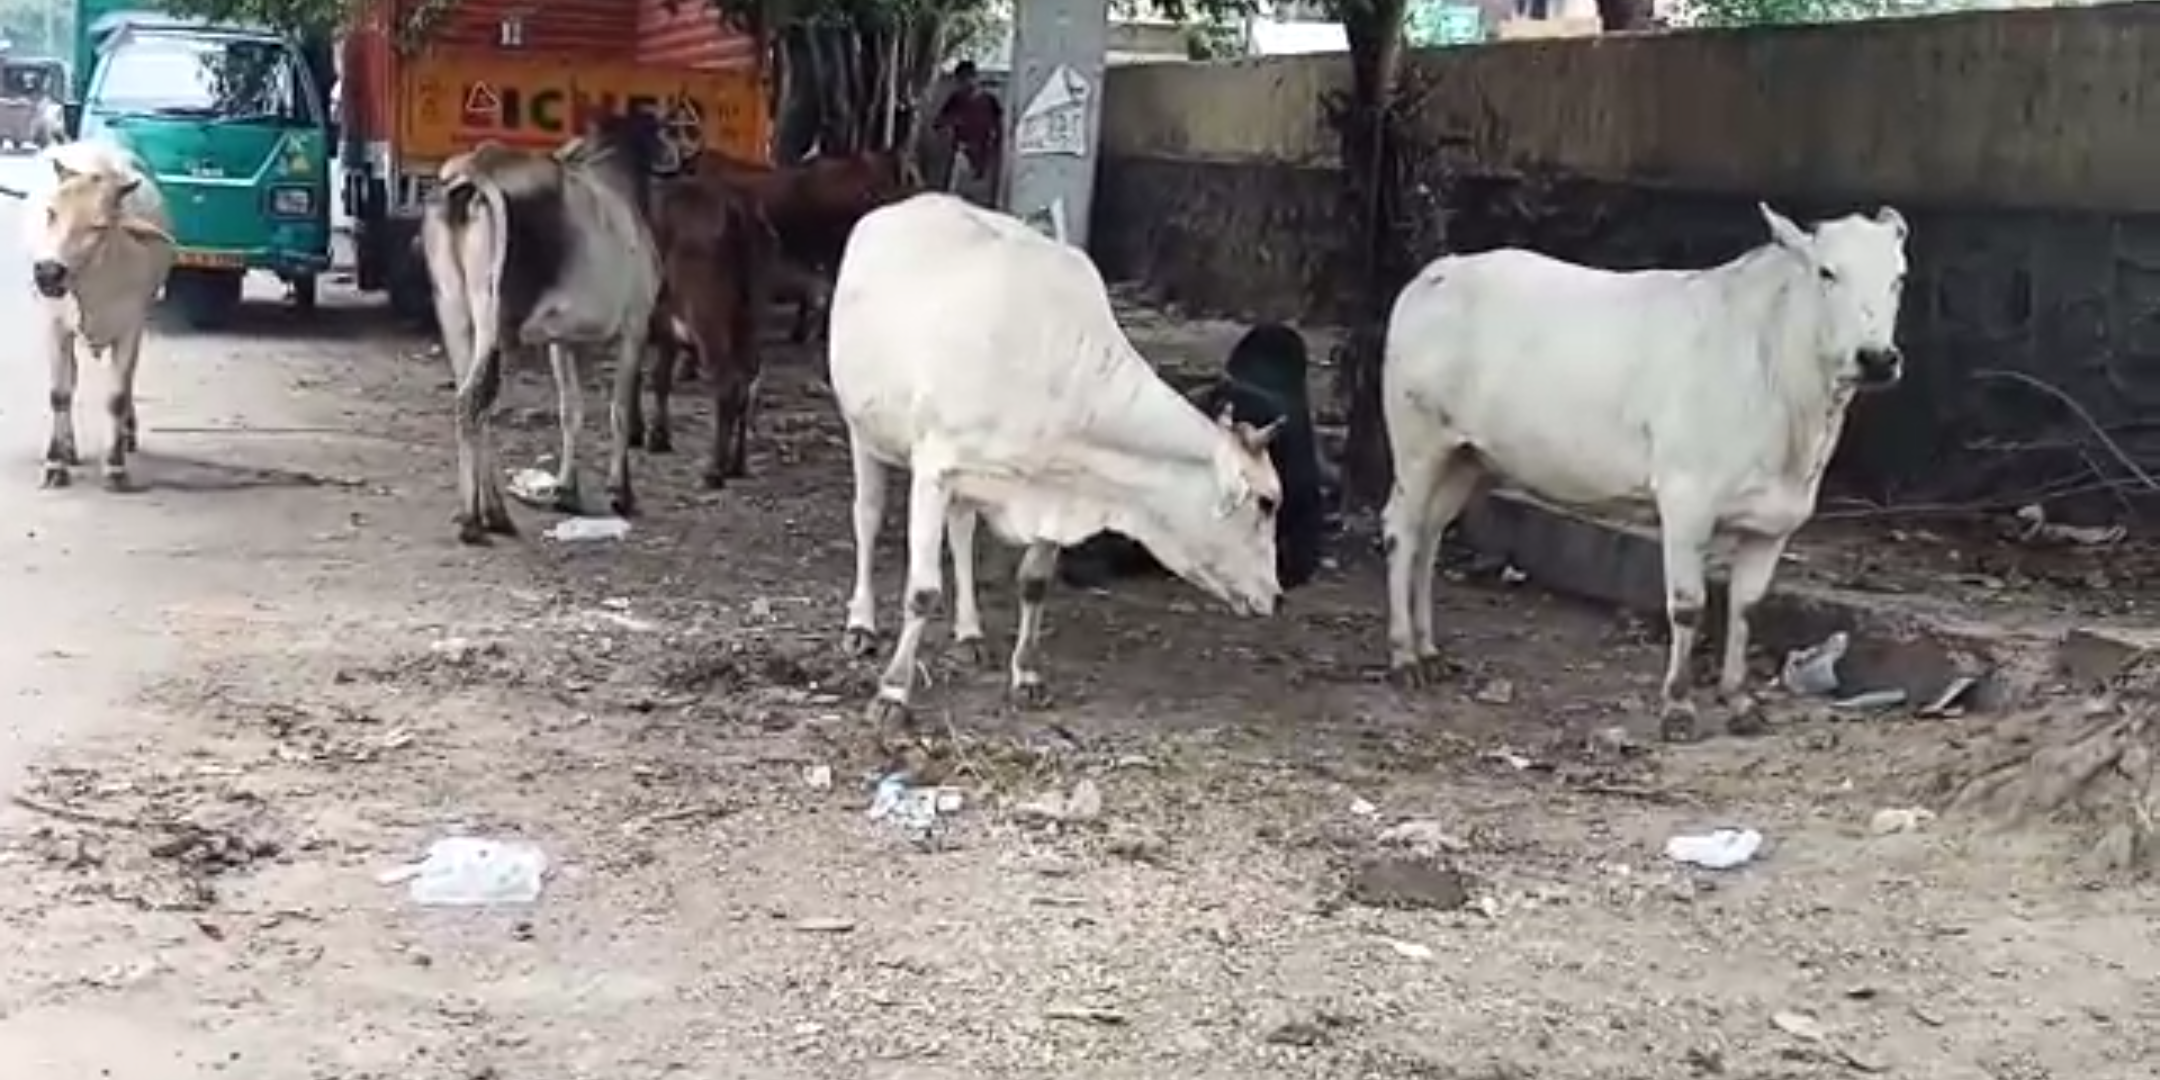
(234, 547)
(90, 579)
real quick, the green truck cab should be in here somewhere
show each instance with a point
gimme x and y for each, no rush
(232, 121)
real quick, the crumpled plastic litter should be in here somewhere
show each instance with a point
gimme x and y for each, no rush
(573, 530)
(919, 813)
(1723, 849)
(536, 486)
(468, 871)
(1812, 672)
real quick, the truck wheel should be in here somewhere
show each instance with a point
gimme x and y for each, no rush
(206, 298)
(303, 293)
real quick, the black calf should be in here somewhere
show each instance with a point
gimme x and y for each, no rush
(1263, 381)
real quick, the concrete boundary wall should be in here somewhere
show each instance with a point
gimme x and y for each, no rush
(2054, 108)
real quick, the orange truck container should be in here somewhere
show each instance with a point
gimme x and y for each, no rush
(526, 73)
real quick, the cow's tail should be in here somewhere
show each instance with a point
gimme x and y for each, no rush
(474, 214)
(520, 210)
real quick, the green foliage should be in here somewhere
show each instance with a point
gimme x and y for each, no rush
(299, 16)
(24, 23)
(1787, 12)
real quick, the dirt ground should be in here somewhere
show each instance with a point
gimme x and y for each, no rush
(1293, 870)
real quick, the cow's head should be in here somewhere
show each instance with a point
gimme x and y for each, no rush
(1858, 264)
(84, 213)
(1225, 542)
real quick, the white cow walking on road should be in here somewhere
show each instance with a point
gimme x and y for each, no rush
(1715, 397)
(985, 359)
(100, 246)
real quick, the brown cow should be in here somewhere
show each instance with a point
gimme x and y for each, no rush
(715, 251)
(812, 207)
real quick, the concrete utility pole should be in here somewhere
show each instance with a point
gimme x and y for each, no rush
(1054, 106)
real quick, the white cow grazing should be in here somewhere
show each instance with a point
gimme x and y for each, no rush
(542, 249)
(984, 358)
(100, 246)
(1715, 397)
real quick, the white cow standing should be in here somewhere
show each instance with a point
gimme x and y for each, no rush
(1715, 397)
(100, 246)
(985, 359)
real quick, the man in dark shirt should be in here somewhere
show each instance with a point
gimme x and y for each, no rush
(976, 122)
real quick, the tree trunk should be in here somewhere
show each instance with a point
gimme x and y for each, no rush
(1374, 29)
(1622, 15)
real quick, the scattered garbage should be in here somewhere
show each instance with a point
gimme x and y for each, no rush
(1409, 950)
(818, 777)
(467, 871)
(1899, 819)
(1724, 849)
(1951, 702)
(1092, 1014)
(918, 812)
(1509, 575)
(459, 650)
(1363, 808)
(1870, 701)
(1083, 803)
(1510, 759)
(580, 529)
(1800, 1026)
(536, 486)
(1422, 834)
(2037, 529)
(1495, 692)
(1812, 672)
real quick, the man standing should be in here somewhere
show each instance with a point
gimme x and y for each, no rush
(975, 121)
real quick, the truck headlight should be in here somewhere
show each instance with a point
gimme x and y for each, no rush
(292, 201)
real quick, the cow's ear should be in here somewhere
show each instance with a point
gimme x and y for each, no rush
(128, 186)
(1257, 439)
(146, 230)
(1889, 216)
(1782, 229)
(60, 171)
(1225, 419)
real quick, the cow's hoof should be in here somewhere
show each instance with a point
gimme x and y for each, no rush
(622, 503)
(974, 652)
(1746, 719)
(56, 476)
(118, 482)
(885, 713)
(497, 521)
(713, 479)
(1032, 694)
(1676, 723)
(470, 530)
(1409, 676)
(858, 641)
(658, 441)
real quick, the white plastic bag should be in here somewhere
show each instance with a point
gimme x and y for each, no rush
(467, 871)
(1720, 850)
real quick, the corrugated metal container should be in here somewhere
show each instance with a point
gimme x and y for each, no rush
(599, 28)
(689, 36)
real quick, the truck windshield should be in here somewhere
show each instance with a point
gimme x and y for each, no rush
(211, 78)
